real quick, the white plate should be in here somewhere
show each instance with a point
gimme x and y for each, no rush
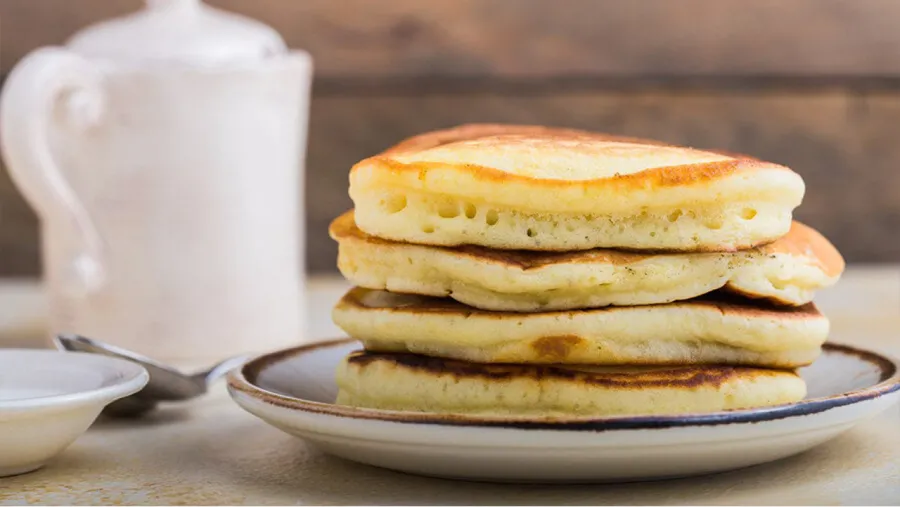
(49, 398)
(294, 390)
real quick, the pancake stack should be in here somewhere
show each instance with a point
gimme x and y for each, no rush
(506, 270)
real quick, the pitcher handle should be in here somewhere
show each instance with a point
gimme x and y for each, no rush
(43, 81)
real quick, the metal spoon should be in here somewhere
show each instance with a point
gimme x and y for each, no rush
(166, 383)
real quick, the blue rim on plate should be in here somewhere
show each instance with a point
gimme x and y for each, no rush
(244, 380)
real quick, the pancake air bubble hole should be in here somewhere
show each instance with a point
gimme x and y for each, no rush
(531, 233)
(395, 204)
(675, 215)
(428, 229)
(748, 213)
(448, 210)
(470, 210)
(714, 223)
(491, 217)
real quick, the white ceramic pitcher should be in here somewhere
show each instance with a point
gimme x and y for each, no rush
(163, 153)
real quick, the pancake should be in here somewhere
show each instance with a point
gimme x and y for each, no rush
(416, 383)
(561, 190)
(716, 329)
(788, 272)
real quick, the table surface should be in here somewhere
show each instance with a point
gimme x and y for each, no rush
(212, 452)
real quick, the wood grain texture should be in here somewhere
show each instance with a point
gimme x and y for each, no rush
(19, 253)
(527, 38)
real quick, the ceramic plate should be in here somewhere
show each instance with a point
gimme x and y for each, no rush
(294, 390)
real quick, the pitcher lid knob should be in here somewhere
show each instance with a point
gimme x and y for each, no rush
(179, 31)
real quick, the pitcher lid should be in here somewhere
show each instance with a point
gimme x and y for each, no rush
(181, 31)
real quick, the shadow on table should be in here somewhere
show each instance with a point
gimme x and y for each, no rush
(158, 417)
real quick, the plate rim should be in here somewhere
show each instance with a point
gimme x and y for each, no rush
(243, 380)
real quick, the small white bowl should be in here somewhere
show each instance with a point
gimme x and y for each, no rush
(294, 390)
(49, 398)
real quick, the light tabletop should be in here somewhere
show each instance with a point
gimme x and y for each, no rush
(212, 452)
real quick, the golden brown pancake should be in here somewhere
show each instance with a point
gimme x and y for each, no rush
(409, 382)
(715, 329)
(536, 188)
(788, 271)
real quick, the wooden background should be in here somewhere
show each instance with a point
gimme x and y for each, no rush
(813, 84)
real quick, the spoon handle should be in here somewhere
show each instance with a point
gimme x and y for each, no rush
(219, 370)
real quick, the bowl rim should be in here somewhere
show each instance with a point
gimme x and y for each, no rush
(243, 380)
(122, 379)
